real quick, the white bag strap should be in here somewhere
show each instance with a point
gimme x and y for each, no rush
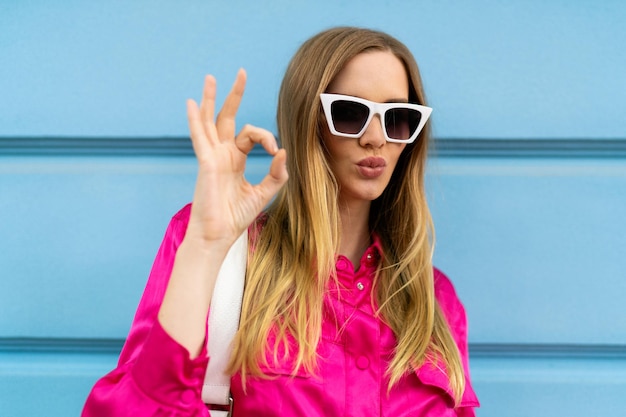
(223, 324)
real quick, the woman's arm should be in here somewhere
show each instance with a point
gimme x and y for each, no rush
(155, 374)
(224, 205)
(162, 365)
(454, 311)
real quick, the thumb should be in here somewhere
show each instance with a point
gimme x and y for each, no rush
(276, 178)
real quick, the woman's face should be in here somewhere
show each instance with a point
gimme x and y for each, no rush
(363, 166)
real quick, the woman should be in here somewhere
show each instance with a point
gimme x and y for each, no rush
(343, 312)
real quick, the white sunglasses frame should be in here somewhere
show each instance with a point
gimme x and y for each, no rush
(374, 108)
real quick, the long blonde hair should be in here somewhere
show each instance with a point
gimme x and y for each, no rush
(295, 252)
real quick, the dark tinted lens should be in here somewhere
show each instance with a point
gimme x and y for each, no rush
(348, 116)
(401, 123)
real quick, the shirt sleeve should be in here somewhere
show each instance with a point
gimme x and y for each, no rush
(155, 375)
(454, 311)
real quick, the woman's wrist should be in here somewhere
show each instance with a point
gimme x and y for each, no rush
(188, 295)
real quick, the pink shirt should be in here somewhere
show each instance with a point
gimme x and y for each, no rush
(156, 377)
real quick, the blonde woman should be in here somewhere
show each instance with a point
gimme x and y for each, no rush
(343, 313)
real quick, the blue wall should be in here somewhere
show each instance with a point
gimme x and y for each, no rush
(527, 182)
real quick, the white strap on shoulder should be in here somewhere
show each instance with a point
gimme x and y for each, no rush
(224, 322)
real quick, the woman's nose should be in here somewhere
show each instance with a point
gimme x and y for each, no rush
(373, 135)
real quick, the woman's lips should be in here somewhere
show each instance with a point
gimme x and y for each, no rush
(371, 167)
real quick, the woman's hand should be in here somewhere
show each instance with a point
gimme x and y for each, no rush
(224, 203)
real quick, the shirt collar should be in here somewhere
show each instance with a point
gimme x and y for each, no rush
(377, 244)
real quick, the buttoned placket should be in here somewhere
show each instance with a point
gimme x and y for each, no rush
(357, 285)
(362, 336)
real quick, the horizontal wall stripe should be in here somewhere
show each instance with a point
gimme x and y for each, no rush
(60, 345)
(531, 148)
(181, 146)
(545, 351)
(92, 146)
(477, 350)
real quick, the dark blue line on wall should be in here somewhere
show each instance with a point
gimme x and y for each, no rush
(60, 345)
(531, 148)
(485, 350)
(181, 146)
(535, 351)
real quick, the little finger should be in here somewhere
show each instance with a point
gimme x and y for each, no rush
(196, 129)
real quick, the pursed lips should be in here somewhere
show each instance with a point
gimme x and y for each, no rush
(371, 167)
(372, 162)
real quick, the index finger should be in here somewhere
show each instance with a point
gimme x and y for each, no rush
(225, 122)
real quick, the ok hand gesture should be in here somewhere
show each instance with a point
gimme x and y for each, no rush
(224, 203)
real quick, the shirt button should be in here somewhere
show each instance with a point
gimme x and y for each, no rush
(369, 256)
(187, 397)
(362, 362)
(360, 286)
(342, 265)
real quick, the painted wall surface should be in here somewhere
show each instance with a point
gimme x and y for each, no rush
(527, 183)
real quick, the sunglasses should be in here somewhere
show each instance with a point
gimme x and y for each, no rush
(350, 116)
